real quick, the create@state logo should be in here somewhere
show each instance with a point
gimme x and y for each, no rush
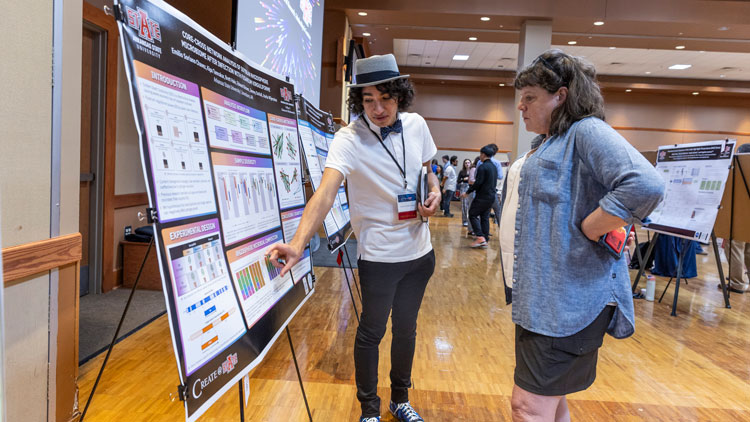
(147, 28)
(226, 367)
(286, 94)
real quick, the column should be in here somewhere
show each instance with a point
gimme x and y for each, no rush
(535, 39)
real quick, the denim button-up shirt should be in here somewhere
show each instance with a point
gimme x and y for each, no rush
(561, 279)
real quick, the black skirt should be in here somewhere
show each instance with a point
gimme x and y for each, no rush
(556, 366)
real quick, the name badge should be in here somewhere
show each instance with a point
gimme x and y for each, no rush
(407, 205)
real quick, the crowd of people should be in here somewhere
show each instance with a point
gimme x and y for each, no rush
(479, 191)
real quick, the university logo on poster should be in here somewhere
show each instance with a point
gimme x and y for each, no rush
(147, 28)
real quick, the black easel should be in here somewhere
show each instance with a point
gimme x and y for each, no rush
(346, 276)
(649, 251)
(299, 375)
(242, 400)
(151, 218)
(351, 268)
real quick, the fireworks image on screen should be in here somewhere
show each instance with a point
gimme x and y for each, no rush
(288, 41)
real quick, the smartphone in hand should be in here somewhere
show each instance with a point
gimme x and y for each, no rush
(615, 241)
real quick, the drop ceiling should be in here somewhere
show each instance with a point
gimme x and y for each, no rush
(608, 61)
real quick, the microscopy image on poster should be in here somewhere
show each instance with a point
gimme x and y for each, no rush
(286, 157)
(207, 309)
(247, 195)
(259, 284)
(176, 142)
(235, 126)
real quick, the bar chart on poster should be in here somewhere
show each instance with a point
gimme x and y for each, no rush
(247, 195)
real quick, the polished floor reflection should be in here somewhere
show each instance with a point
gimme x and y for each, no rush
(693, 367)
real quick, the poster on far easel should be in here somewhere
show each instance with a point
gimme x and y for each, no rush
(695, 176)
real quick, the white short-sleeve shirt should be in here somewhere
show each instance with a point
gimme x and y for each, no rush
(375, 182)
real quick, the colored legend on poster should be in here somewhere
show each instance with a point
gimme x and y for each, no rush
(258, 282)
(235, 126)
(207, 311)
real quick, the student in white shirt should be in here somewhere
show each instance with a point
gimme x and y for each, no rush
(381, 154)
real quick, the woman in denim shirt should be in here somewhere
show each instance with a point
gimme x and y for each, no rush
(581, 180)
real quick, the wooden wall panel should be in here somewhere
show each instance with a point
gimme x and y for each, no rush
(29, 259)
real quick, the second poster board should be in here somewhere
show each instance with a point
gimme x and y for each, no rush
(316, 131)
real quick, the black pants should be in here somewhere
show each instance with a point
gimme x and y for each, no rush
(386, 287)
(479, 216)
(447, 201)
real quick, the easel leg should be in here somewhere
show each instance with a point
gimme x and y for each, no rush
(117, 331)
(724, 290)
(642, 265)
(679, 275)
(356, 283)
(242, 401)
(299, 376)
(351, 293)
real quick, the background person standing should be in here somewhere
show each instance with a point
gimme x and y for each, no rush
(486, 194)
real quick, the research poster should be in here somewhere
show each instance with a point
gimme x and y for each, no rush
(316, 131)
(695, 176)
(221, 157)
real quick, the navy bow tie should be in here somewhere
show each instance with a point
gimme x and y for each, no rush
(396, 127)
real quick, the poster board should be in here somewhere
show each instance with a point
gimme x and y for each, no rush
(695, 176)
(219, 149)
(741, 203)
(316, 131)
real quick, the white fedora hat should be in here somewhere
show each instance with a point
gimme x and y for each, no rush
(375, 70)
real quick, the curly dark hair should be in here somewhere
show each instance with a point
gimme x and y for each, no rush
(400, 89)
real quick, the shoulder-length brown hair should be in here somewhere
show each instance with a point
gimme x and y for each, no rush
(555, 69)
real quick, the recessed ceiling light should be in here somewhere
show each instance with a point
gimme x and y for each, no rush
(680, 47)
(702, 51)
(648, 72)
(362, 13)
(500, 84)
(612, 48)
(722, 76)
(572, 42)
(386, 28)
(696, 93)
(365, 34)
(723, 28)
(598, 23)
(680, 66)
(461, 57)
(484, 18)
(501, 26)
(679, 33)
(628, 90)
(472, 38)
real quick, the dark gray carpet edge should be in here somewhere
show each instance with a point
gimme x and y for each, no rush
(324, 258)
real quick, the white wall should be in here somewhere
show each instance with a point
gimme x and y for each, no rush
(675, 112)
(25, 151)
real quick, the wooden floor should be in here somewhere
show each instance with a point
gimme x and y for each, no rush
(693, 367)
